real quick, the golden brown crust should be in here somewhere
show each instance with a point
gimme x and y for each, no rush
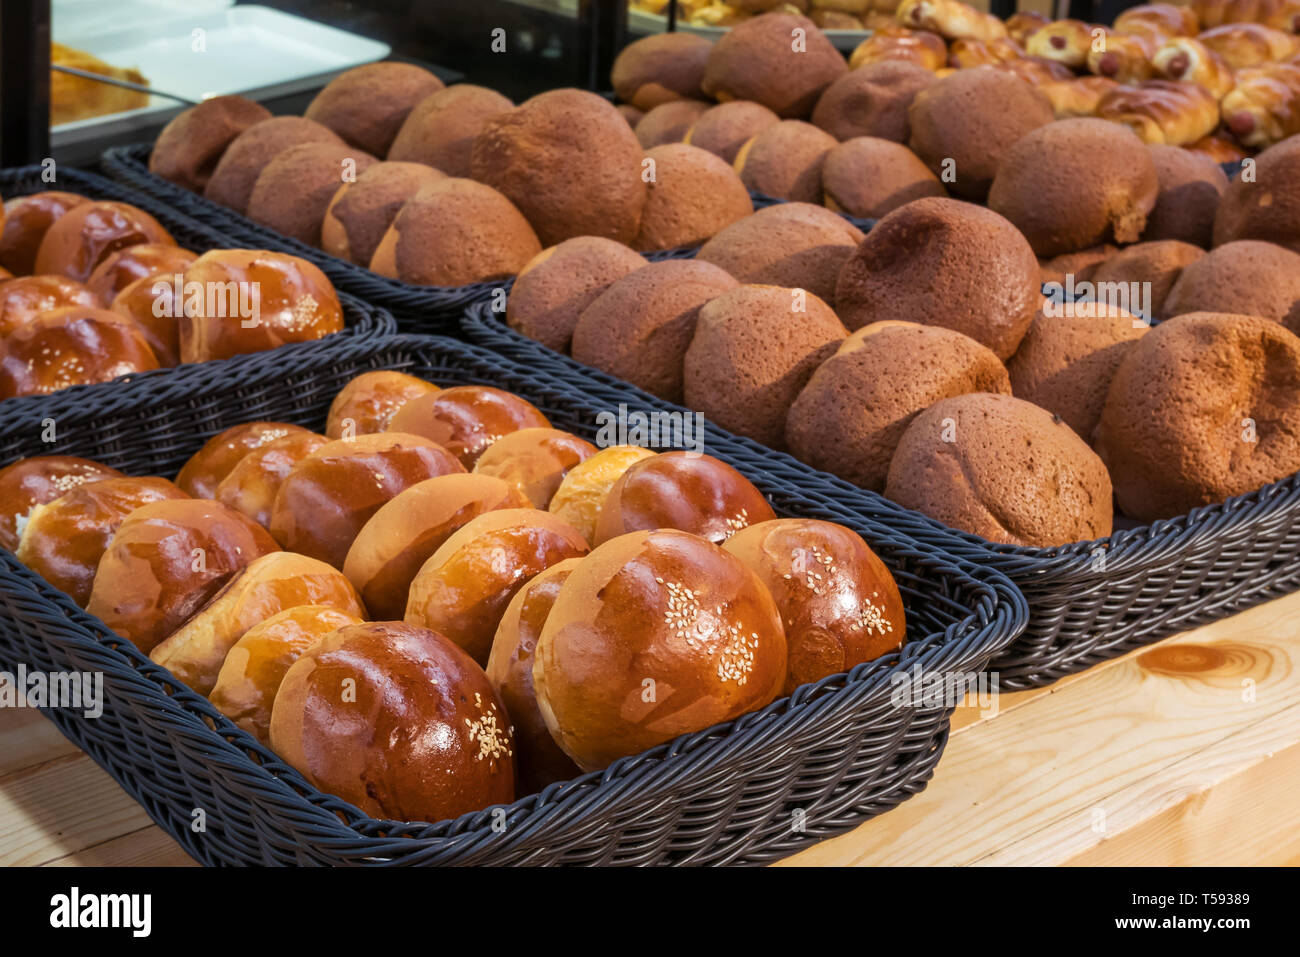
(692, 197)
(583, 491)
(660, 68)
(120, 269)
(37, 481)
(205, 469)
(71, 345)
(921, 47)
(369, 401)
(231, 183)
(24, 298)
(360, 213)
(785, 161)
(441, 130)
(26, 220)
(90, 232)
(466, 419)
(251, 486)
(294, 190)
(534, 461)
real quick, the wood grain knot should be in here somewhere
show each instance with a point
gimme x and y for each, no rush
(1220, 660)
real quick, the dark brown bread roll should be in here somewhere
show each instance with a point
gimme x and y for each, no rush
(1002, 468)
(692, 196)
(88, 233)
(454, 232)
(796, 245)
(871, 178)
(190, 146)
(1203, 408)
(532, 155)
(72, 345)
(1065, 363)
(852, 412)
(945, 263)
(640, 327)
(1076, 183)
(139, 302)
(37, 481)
(785, 161)
(1247, 277)
(669, 122)
(293, 190)
(231, 183)
(965, 123)
(26, 220)
(838, 602)
(660, 68)
(557, 284)
(205, 469)
(118, 270)
(780, 60)
(1190, 187)
(423, 738)
(725, 128)
(653, 635)
(1153, 266)
(368, 104)
(360, 213)
(1081, 265)
(441, 130)
(368, 402)
(1267, 206)
(753, 351)
(872, 100)
(466, 419)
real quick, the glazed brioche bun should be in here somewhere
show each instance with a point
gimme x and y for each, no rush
(1235, 424)
(660, 68)
(328, 497)
(463, 589)
(422, 738)
(251, 486)
(870, 178)
(1246, 277)
(534, 461)
(872, 101)
(256, 664)
(294, 190)
(138, 302)
(466, 419)
(538, 759)
(37, 481)
(584, 489)
(164, 563)
(88, 233)
(693, 196)
(26, 297)
(557, 284)
(785, 161)
(368, 104)
(753, 351)
(190, 146)
(655, 634)
(71, 345)
(725, 128)
(849, 417)
(640, 327)
(441, 130)
(839, 604)
(945, 263)
(26, 220)
(369, 401)
(231, 183)
(203, 472)
(118, 270)
(295, 303)
(262, 588)
(1013, 473)
(531, 154)
(758, 60)
(394, 544)
(360, 212)
(455, 232)
(668, 123)
(63, 540)
(688, 491)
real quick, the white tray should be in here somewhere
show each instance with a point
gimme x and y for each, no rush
(252, 50)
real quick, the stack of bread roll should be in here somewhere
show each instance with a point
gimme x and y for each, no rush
(440, 601)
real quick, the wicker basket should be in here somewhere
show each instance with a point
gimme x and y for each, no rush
(364, 324)
(422, 309)
(753, 790)
(1089, 601)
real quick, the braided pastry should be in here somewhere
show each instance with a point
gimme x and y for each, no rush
(1189, 61)
(951, 19)
(964, 54)
(1220, 147)
(895, 43)
(1065, 41)
(1161, 111)
(1036, 71)
(1124, 58)
(1248, 44)
(1021, 26)
(1077, 97)
(1264, 107)
(1161, 20)
(1279, 14)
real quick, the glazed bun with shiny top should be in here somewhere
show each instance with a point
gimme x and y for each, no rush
(839, 604)
(63, 540)
(394, 544)
(293, 299)
(441, 130)
(534, 461)
(585, 487)
(231, 183)
(26, 297)
(36, 481)
(368, 104)
(251, 486)
(421, 737)
(688, 491)
(463, 589)
(368, 403)
(466, 419)
(139, 302)
(328, 496)
(118, 270)
(205, 469)
(538, 759)
(256, 664)
(360, 212)
(83, 237)
(26, 220)
(164, 563)
(262, 588)
(294, 190)
(190, 146)
(653, 635)
(73, 345)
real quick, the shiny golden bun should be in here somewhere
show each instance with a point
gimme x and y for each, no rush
(534, 461)
(26, 220)
(585, 487)
(118, 270)
(27, 297)
(466, 419)
(72, 345)
(205, 469)
(368, 403)
(251, 486)
(35, 481)
(90, 232)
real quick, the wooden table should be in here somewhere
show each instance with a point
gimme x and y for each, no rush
(1186, 752)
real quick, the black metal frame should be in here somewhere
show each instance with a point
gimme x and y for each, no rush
(24, 82)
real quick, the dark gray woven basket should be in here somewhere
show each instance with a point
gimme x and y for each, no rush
(806, 767)
(1089, 601)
